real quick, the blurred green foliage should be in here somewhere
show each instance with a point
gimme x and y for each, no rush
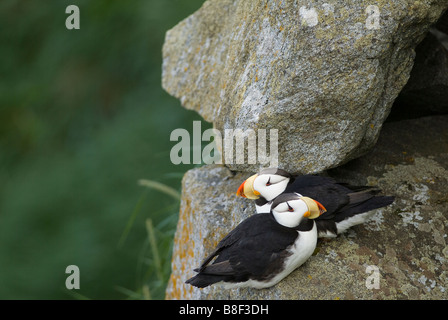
(83, 117)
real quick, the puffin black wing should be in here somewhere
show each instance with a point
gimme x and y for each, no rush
(332, 195)
(250, 251)
(342, 201)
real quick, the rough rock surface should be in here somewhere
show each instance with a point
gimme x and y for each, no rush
(406, 241)
(324, 73)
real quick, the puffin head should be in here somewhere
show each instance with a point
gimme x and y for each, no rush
(290, 209)
(268, 183)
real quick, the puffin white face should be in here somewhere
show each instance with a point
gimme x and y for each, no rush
(290, 208)
(269, 183)
(290, 213)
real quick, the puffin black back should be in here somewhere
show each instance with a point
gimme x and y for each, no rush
(256, 251)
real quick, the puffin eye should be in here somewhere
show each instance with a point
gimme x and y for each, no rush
(269, 182)
(290, 209)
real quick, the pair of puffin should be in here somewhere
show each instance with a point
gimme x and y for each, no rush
(293, 212)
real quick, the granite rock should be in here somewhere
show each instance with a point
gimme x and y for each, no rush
(405, 244)
(323, 73)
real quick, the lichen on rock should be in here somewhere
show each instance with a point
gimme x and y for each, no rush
(406, 241)
(319, 72)
(325, 75)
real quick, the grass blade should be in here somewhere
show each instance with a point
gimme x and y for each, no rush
(154, 249)
(131, 220)
(146, 292)
(160, 187)
(76, 295)
(131, 295)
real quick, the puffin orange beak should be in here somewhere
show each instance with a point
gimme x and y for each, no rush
(321, 207)
(240, 191)
(246, 189)
(315, 208)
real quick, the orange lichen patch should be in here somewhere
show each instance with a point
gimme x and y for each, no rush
(173, 293)
(183, 252)
(410, 160)
(178, 290)
(190, 251)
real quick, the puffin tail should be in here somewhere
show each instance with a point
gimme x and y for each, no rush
(203, 280)
(365, 201)
(362, 203)
(357, 211)
(355, 214)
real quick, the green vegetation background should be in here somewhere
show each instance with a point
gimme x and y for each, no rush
(83, 117)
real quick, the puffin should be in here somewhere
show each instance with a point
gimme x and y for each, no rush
(344, 205)
(264, 248)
